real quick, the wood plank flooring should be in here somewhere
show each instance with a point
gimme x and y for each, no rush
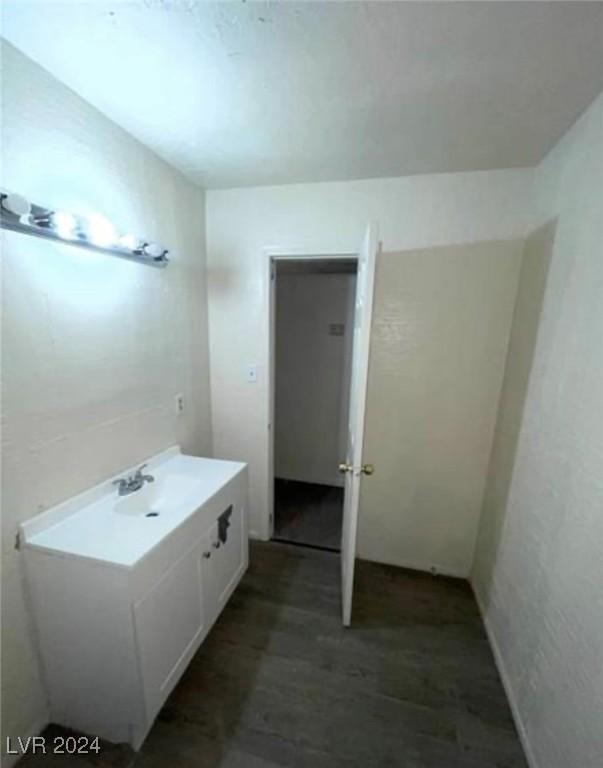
(307, 513)
(279, 682)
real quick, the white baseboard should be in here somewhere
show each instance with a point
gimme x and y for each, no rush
(34, 729)
(415, 565)
(502, 671)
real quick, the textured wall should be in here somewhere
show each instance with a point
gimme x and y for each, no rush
(94, 348)
(536, 259)
(441, 323)
(538, 569)
(413, 212)
(312, 375)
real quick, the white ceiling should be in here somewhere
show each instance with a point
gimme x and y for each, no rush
(240, 93)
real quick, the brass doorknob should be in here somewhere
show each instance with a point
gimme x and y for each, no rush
(345, 467)
(367, 469)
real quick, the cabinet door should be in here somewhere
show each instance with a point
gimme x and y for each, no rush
(228, 559)
(208, 557)
(170, 623)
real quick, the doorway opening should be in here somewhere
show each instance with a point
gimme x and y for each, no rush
(314, 305)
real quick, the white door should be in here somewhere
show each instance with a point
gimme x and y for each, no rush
(352, 466)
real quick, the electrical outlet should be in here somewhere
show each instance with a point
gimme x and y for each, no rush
(179, 404)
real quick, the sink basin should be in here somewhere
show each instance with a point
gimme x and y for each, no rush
(161, 496)
(121, 530)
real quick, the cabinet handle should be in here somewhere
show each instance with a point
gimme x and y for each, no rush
(207, 555)
(216, 545)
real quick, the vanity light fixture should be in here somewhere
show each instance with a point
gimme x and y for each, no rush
(94, 231)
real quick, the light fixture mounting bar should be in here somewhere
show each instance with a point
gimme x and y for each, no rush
(18, 215)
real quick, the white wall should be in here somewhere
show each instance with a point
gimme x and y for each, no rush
(538, 568)
(413, 212)
(441, 322)
(312, 375)
(94, 348)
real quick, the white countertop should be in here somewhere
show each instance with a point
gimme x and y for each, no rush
(101, 525)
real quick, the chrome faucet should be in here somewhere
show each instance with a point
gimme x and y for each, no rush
(133, 483)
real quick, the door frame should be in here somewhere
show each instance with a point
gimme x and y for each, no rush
(271, 256)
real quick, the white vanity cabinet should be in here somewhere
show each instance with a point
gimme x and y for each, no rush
(117, 632)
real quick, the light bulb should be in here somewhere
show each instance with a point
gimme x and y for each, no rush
(64, 224)
(16, 204)
(100, 230)
(154, 249)
(131, 242)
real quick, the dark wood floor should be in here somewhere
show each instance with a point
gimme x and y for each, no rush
(279, 682)
(307, 513)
